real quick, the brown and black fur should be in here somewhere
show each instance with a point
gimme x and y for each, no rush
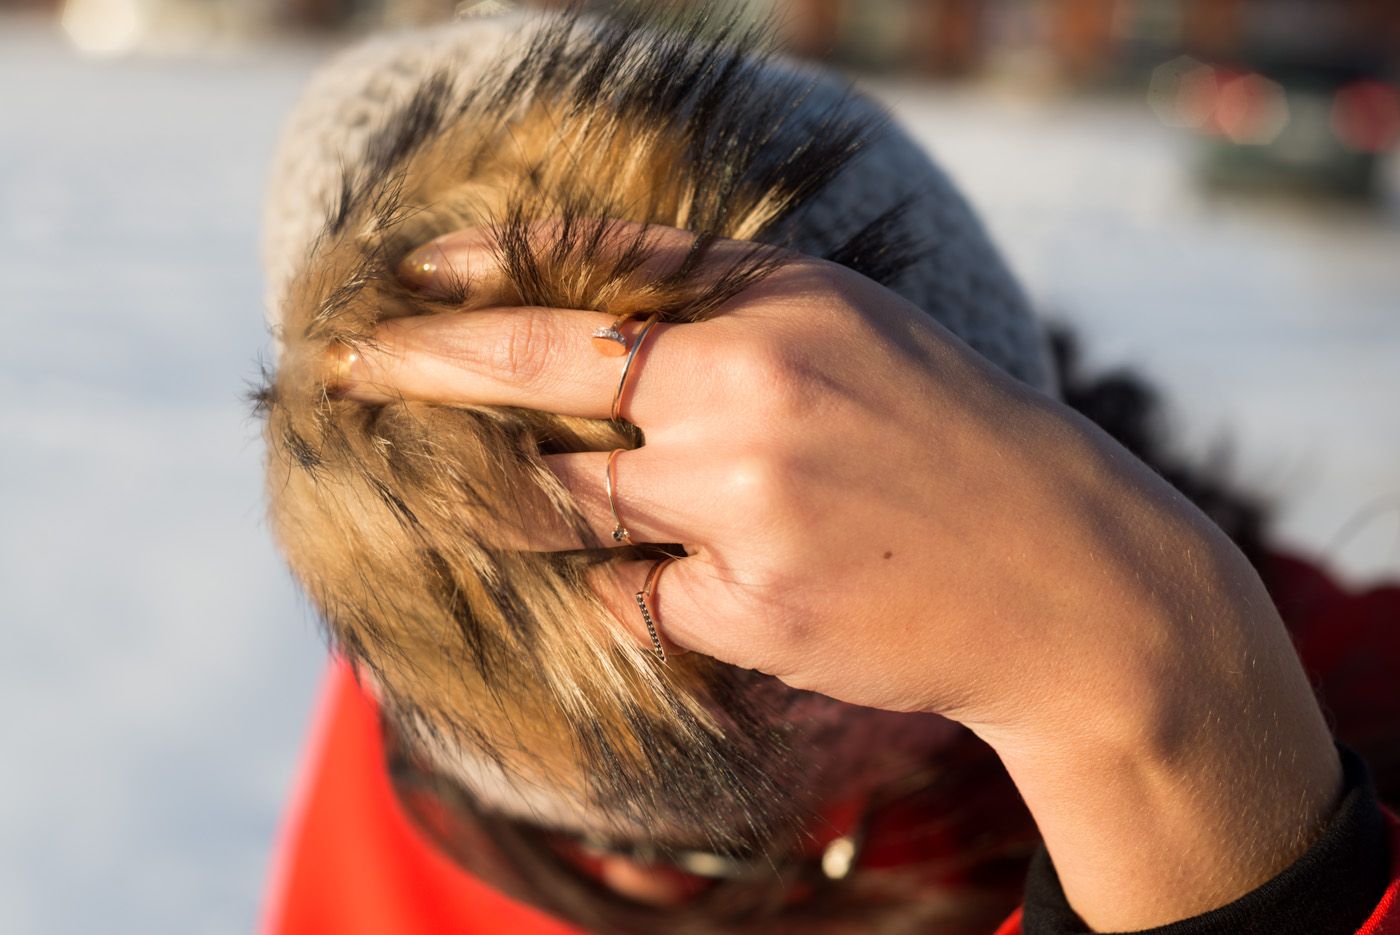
(382, 510)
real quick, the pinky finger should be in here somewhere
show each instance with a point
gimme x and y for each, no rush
(651, 599)
(694, 605)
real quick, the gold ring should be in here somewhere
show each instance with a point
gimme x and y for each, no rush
(609, 340)
(645, 595)
(627, 366)
(619, 533)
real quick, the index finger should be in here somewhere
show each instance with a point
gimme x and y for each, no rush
(471, 260)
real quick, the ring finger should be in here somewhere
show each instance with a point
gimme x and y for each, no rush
(652, 501)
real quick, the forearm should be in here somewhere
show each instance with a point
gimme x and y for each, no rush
(1197, 769)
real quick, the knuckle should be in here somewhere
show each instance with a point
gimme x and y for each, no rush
(758, 483)
(758, 362)
(524, 351)
(777, 365)
(769, 372)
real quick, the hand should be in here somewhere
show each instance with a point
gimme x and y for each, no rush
(874, 512)
(870, 509)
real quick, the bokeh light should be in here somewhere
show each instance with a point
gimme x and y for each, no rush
(103, 27)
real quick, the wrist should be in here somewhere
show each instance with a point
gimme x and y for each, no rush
(1185, 774)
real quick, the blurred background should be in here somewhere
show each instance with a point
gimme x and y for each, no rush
(1207, 190)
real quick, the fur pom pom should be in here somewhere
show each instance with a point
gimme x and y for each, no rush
(382, 510)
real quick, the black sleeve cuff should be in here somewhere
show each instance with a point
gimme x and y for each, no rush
(1331, 890)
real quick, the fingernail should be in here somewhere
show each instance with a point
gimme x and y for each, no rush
(421, 268)
(344, 366)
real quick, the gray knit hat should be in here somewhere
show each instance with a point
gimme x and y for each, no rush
(961, 281)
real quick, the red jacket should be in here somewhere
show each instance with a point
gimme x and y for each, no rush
(349, 861)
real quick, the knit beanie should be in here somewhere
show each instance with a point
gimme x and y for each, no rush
(958, 276)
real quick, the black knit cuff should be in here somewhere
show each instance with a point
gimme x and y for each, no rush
(1332, 889)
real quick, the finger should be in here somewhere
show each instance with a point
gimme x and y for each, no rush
(651, 493)
(473, 258)
(453, 264)
(650, 499)
(675, 595)
(535, 358)
(694, 606)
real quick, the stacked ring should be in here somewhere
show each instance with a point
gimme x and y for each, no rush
(627, 365)
(608, 340)
(646, 594)
(619, 533)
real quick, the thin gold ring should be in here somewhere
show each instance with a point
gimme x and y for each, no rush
(619, 533)
(645, 595)
(627, 366)
(609, 339)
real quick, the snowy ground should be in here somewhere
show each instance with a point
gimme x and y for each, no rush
(158, 666)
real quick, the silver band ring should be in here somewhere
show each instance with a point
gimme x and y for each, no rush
(646, 594)
(619, 533)
(627, 365)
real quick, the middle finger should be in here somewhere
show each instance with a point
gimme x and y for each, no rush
(535, 358)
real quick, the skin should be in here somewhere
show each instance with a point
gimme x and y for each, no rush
(981, 552)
